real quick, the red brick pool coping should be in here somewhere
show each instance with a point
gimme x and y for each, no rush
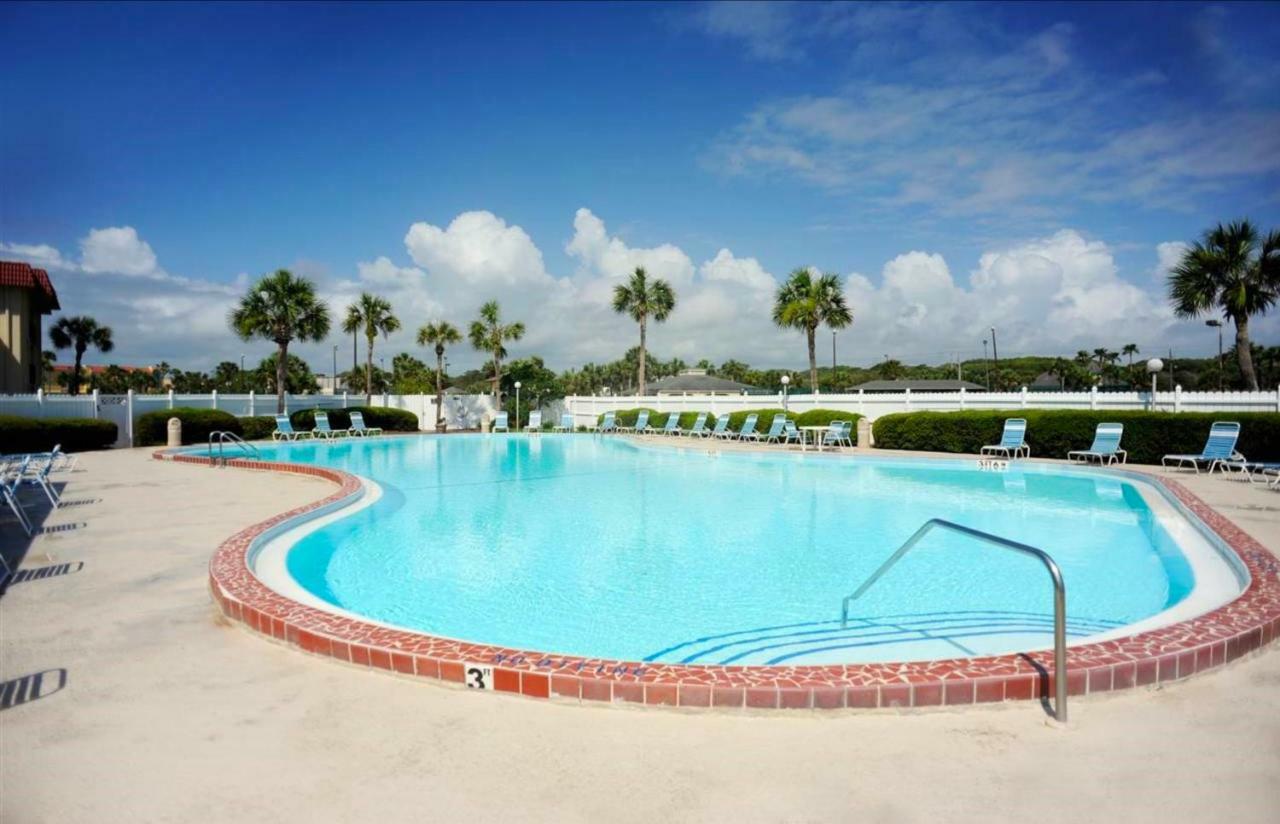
(1159, 656)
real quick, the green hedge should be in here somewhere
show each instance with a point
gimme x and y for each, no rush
(18, 434)
(1052, 433)
(257, 427)
(392, 420)
(814, 417)
(152, 429)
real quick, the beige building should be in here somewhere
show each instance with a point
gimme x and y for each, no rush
(26, 294)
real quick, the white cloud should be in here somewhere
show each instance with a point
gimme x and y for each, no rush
(600, 254)
(117, 250)
(40, 255)
(1168, 255)
(744, 271)
(478, 249)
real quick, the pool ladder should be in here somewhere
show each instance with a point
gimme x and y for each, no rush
(222, 439)
(1059, 595)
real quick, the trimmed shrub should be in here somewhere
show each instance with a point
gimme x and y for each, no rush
(392, 420)
(822, 417)
(19, 434)
(1051, 433)
(258, 427)
(152, 429)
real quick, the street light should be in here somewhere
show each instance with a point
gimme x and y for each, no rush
(241, 370)
(335, 369)
(833, 353)
(995, 354)
(986, 363)
(517, 404)
(786, 379)
(1154, 366)
(1217, 324)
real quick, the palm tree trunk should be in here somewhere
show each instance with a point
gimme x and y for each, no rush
(282, 371)
(813, 359)
(75, 376)
(643, 358)
(355, 354)
(497, 375)
(1244, 354)
(439, 388)
(368, 373)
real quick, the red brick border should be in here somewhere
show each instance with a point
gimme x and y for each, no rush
(1156, 657)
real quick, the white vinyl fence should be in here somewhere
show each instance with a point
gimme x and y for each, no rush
(586, 408)
(460, 411)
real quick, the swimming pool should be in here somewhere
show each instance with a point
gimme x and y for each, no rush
(605, 548)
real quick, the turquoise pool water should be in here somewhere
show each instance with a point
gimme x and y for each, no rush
(600, 547)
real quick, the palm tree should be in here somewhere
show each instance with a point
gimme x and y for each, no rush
(281, 308)
(80, 332)
(488, 333)
(642, 299)
(1130, 349)
(1228, 270)
(807, 302)
(370, 314)
(439, 335)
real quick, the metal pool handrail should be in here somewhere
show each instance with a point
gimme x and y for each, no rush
(1059, 595)
(233, 439)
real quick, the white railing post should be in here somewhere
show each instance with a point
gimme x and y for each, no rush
(214, 396)
(128, 416)
(1093, 397)
(1024, 397)
(1177, 398)
(861, 409)
(95, 404)
(252, 399)
(1278, 398)
(40, 402)
(345, 402)
(962, 399)
(384, 398)
(170, 398)
(908, 394)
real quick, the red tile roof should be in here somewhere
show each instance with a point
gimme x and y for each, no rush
(24, 276)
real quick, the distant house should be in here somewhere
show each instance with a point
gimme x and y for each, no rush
(919, 386)
(54, 380)
(698, 382)
(26, 294)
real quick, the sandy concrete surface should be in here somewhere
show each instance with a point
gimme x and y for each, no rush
(170, 714)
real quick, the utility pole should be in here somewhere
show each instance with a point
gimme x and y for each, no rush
(833, 353)
(995, 354)
(986, 362)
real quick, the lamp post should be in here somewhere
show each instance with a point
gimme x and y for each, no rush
(987, 363)
(335, 369)
(242, 370)
(517, 404)
(833, 354)
(1217, 324)
(786, 379)
(1154, 366)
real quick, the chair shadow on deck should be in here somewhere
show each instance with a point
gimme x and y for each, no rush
(16, 545)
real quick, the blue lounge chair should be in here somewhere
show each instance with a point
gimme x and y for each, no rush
(791, 434)
(1013, 442)
(721, 429)
(36, 473)
(10, 480)
(1253, 471)
(699, 428)
(286, 432)
(566, 423)
(640, 426)
(672, 426)
(777, 429)
(323, 430)
(358, 427)
(1106, 446)
(500, 423)
(535, 421)
(748, 431)
(1218, 450)
(836, 434)
(609, 424)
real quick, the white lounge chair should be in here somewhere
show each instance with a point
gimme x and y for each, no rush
(500, 423)
(286, 432)
(535, 421)
(323, 430)
(358, 427)
(566, 423)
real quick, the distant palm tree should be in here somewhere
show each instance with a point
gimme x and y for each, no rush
(489, 333)
(807, 302)
(372, 315)
(80, 332)
(439, 335)
(1130, 349)
(642, 299)
(281, 308)
(1229, 270)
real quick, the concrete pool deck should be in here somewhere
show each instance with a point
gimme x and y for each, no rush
(169, 713)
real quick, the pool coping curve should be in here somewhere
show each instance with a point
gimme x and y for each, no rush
(1157, 656)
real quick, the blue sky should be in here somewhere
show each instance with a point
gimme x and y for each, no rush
(1031, 166)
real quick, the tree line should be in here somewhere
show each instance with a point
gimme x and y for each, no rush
(1232, 271)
